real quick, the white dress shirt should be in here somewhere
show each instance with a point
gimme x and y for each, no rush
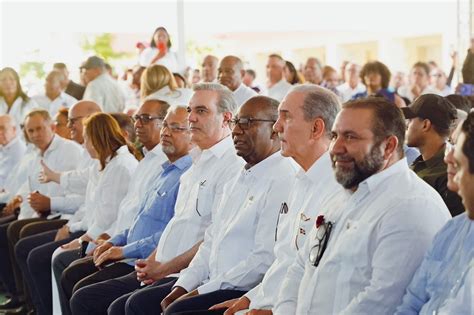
(148, 169)
(17, 177)
(62, 155)
(170, 61)
(405, 91)
(200, 190)
(347, 92)
(238, 247)
(10, 155)
(105, 91)
(52, 106)
(18, 110)
(311, 190)
(279, 90)
(378, 240)
(105, 190)
(243, 94)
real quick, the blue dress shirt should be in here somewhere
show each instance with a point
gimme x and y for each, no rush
(443, 270)
(155, 211)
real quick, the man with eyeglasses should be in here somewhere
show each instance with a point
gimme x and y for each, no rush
(215, 163)
(360, 258)
(444, 282)
(304, 123)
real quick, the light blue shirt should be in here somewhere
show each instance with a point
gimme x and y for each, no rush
(156, 209)
(443, 271)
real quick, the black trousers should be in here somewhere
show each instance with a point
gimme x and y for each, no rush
(200, 304)
(6, 271)
(83, 272)
(33, 254)
(112, 295)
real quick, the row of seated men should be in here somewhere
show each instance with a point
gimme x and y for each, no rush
(298, 207)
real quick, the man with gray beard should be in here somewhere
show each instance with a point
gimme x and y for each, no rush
(361, 256)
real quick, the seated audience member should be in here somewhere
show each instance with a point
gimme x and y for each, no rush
(159, 51)
(439, 81)
(468, 65)
(108, 181)
(331, 80)
(69, 86)
(352, 84)
(398, 80)
(101, 87)
(430, 119)
(460, 102)
(54, 97)
(209, 68)
(215, 163)
(305, 138)
(291, 75)
(419, 82)
(313, 71)
(60, 124)
(443, 284)
(356, 259)
(230, 74)
(156, 208)
(126, 125)
(12, 148)
(376, 77)
(249, 79)
(196, 78)
(277, 86)
(156, 79)
(13, 100)
(180, 81)
(36, 200)
(245, 218)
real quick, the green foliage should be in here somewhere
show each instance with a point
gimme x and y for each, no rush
(101, 45)
(198, 51)
(32, 66)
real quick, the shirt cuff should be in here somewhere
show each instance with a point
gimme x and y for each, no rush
(118, 240)
(187, 281)
(131, 250)
(208, 287)
(252, 293)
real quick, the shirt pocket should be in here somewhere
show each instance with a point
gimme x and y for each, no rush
(161, 208)
(205, 201)
(352, 244)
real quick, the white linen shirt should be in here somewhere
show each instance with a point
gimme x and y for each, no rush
(242, 94)
(405, 91)
(279, 90)
(62, 155)
(53, 106)
(238, 246)
(18, 110)
(148, 169)
(170, 61)
(378, 240)
(10, 155)
(200, 190)
(347, 92)
(105, 190)
(311, 190)
(17, 177)
(106, 92)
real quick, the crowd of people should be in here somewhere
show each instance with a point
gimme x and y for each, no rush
(322, 192)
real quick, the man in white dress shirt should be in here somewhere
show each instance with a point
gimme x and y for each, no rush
(359, 258)
(306, 116)
(209, 68)
(352, 86)
(54, 97)
(215, 163)
(101, 87)
(277, 86)
(230, 73)
(313, 71)
(12, 148)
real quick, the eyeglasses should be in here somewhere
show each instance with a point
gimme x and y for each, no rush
(244, 123)
(322, 236)
(283, 210)
(201, 185)
(72, 121)
(145, 119)
(302, 231)
(174, 127)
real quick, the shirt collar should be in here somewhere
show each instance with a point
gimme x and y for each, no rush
(319, 167)
(260, 169)
(181, 163)
(239, 89)
(122, 150)
(377, 179)
(217, 150)
(52, 146)
(10, 144)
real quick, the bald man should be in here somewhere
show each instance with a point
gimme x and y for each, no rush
(209, 68)
(230, 74)
(12, 148)
(54, 97)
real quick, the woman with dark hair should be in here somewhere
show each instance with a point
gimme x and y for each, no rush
(376, 78)
(13, 100)
(291, 75)
(159, 51)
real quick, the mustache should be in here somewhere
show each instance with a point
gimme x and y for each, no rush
(341, 157)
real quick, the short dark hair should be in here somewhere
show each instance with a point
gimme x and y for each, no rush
(460, 102)
(468, 145)
(60, 65)
(423, 65)
(388, 120)
(251, 72)
(376, 67)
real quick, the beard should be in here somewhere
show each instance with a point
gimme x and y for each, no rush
(168, 149)
(361, 170)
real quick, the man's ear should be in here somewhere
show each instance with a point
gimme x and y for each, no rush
(53, 127)
(242, 73)
(227, 117)
(391, 146)
(427, 125)
(318, 129)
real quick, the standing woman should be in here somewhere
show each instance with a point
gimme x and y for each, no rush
(159, 51)
(13, 100)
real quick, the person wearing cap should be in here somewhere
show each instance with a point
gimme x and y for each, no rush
(430, 120)
(101, 87)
